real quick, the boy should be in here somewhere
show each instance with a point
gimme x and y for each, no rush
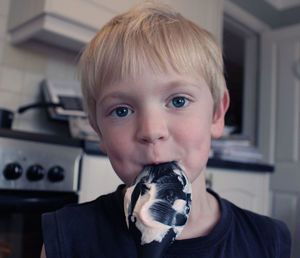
(154, 91)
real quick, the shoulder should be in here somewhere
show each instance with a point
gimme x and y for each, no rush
(91, 229)
(103, 206)
(268, 231)
(265, 224)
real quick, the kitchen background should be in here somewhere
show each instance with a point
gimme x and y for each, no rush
(21, 70)
(42, 39)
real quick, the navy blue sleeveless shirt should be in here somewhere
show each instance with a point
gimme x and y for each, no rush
(98, 229)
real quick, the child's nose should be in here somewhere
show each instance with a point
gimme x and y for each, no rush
(151, 128)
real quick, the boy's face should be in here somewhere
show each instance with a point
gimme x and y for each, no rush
(157, 118)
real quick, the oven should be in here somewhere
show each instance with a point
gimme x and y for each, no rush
(38, 173)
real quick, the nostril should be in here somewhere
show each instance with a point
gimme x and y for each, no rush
(145, 140)
(151, 127)
(153, 138)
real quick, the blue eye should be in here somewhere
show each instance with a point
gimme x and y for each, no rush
(179, 102)
(121, 112)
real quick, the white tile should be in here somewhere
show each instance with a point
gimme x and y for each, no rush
(36, 119)
(36, 59)
(9, 100)
(40, 124)
(3, 24)
(25, 101)
(23, 124)
(1, 49)
(14, 56)
(31, 85)
(62, 65)
(27, 121)
(71, 72)
(4, 7)
(55, 69)
(11, 79)
(31, 116)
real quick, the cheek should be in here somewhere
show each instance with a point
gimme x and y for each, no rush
(115, 140)
(194, 141)
(118, 152)
(193, 133)
(197, 147)
(117, 149)
(112, 146)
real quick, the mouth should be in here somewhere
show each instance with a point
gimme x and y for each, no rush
(160, 162)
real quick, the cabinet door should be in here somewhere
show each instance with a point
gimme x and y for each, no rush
(279, 123)
(97, 178)
(247, 190)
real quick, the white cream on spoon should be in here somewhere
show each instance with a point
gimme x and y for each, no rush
(157, 206)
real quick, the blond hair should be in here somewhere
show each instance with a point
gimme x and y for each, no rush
(152, 34)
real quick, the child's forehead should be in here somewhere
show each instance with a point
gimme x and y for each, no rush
(168, 76)
(160, 84)
(144, 70)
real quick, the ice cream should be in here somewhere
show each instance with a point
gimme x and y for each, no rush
(157, 206)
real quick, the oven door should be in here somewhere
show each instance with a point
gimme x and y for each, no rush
(20, 220)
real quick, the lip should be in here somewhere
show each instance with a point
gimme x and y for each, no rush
(159, 162)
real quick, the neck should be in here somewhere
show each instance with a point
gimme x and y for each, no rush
(205, 211)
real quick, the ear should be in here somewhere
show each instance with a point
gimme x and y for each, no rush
(97, 130)
(218, 122)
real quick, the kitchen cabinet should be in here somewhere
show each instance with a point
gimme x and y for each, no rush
(246, 189)
(97, 177)
(66, 23)
(72, 23)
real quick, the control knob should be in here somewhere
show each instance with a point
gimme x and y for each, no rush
(12, 171)
(35, 172)
(56, 174)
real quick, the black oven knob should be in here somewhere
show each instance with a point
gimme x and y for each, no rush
(56, 174)
(12, 171)
(35, 172)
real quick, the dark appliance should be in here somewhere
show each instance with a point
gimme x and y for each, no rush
(6, 118)
(38, 173)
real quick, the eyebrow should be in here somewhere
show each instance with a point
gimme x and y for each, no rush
(114, 95)
(167, 86)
